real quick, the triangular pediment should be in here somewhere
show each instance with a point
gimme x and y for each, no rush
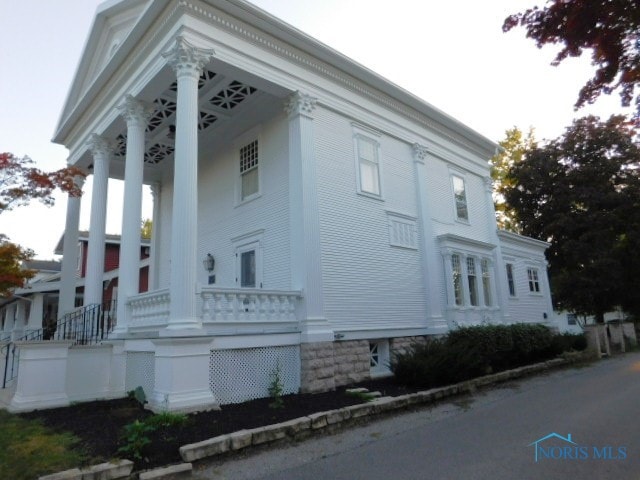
(114, 21)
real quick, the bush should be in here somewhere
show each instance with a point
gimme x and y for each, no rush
(470, 352)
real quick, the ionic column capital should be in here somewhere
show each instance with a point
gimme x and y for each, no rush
(135, 111)
(300, 104)
(419, 153)
(187, 59)
(100, 146)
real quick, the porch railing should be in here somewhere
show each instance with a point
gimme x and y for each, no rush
(248, 305)
(149, 309)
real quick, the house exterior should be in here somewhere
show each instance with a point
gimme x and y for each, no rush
(32, 311)
(344, 216)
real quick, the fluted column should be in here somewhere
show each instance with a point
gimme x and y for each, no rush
(102, 149)
(69, 272)
(188, 62)
(136, 114)
(306, 269)
(154, 254)
(430, 270)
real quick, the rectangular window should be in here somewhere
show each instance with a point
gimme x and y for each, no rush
(510, 280)
(402, 231)
(368, 165)
(472, 281)
(248, 269)
(572, 319)
(249, 177)
(534, 283)
(457, 279)
(460, 197)
(486, 281)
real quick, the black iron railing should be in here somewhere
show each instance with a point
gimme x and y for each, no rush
(85, 326)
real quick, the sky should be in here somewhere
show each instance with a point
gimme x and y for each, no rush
(453, 55)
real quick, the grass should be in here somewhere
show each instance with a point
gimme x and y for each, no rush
(29, 450)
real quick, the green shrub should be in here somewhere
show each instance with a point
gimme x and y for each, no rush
(470, 352)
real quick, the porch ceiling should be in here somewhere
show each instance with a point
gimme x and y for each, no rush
(226, 103)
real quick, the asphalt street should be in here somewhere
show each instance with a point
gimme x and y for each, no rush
(590, 415)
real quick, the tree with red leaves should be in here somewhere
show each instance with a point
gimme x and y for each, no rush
(20, 183)
(609, 28)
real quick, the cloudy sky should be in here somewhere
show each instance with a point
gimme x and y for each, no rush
(451, 54)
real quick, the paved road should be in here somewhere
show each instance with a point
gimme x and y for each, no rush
(484, 436)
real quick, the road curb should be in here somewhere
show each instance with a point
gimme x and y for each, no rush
(295, 428)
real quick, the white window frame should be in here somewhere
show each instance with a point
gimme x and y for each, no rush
(511, 279)
(533, 279)
(246, 243)
(380, 360)
(366, 135)
(458, 300)
(486, 282)
(242, 141)
(461, 177)
(470, 273)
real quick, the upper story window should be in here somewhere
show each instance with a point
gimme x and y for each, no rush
(460, 198)
(367, 151)
(249, 173)
(534, 282)
(511, 280)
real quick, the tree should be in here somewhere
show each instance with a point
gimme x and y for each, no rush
(147, 228)
(581, 192)
(512, 150)
(20, 183)
(609, 28)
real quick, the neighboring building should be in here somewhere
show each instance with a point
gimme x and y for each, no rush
(345, 216)
(33, 309)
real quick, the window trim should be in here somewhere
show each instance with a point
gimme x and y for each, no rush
(535, 284)
(460, 176)
(511, 279)
(244, 140)
(246, 243)
(360, 133)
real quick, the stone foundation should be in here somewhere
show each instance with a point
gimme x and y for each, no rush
(327, 365)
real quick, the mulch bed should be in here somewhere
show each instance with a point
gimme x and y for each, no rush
(99, 425)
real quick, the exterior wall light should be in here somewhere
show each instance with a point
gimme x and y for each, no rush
(209, 263)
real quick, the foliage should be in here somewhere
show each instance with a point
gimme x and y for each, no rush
(20, 182)
(135, 438)
(147, 228)
(581, 192)
(608, 28)
(12, 274)
(29, 450)
(512, 151)
(362, 396)
(471, 352)
(137, 435)
(276, 388)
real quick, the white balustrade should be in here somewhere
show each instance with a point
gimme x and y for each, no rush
(149, 309)
(231, 305)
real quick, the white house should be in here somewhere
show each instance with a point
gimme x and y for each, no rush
(345, 216)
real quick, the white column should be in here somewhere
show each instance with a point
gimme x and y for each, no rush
(428, 247)
(70, 255)
(502, 289)
(188, 62)
(102, 150)
(20, 319)
(36, 313)
(306, 265)
(136, 113)
(154, 254)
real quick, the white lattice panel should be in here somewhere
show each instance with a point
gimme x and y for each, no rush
(141, 372)
(245, 374)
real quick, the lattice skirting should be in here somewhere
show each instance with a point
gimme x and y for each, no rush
(140, 372)
(245, 374)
